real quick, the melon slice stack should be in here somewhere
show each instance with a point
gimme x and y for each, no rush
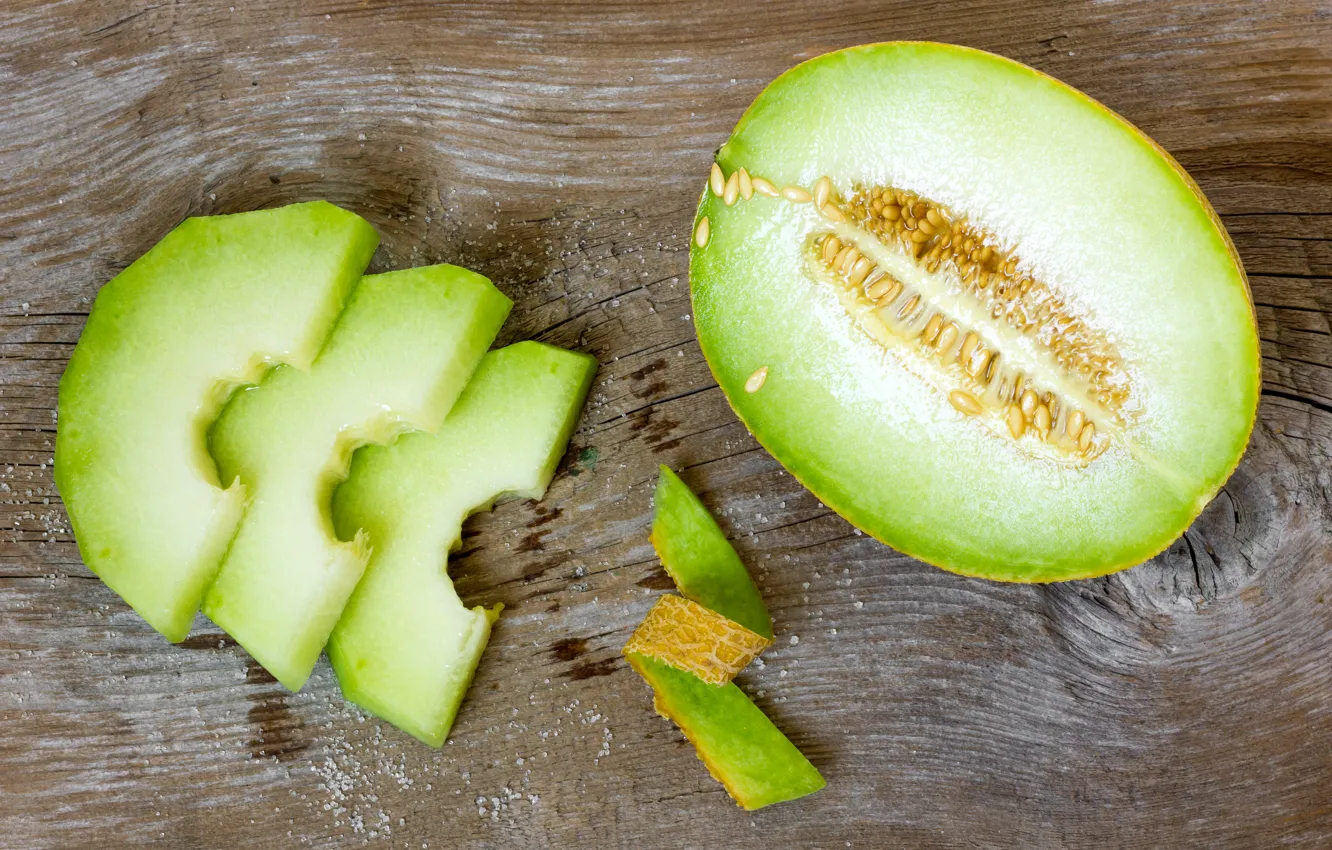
(208, 421)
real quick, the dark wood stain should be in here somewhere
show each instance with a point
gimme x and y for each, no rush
(568, 649)
(214, 640)
(655, 366)
(531, 542)
(592, 669)
(659, 580)
(544, 516)
(652, 390)
(559, 149)
(277, 732)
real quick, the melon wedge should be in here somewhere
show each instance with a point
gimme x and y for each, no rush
(203, 311)
(399, 356)
(406, 647)
(740, 746)
(699, 559)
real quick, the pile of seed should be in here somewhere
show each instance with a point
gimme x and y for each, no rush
(1025, 409)
(995, 276)
(940, 241)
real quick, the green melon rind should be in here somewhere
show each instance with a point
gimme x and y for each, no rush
(206, 309)
(398, 357)
(1079, 542)
(699, 558)
(740, 746)
(406, 647)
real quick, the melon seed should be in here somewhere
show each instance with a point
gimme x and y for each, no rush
(701, 234)
(932, 328)
(1073, 425)
(831, 246)
(765, 187)
(731, 191)
(909, 306)
(822, 190)
(756, 380)
(859, 271)
(1042, 421)
(947, 337)
(1017, 423)
(968, 345)
(879, 289)
(832, 213)
(1087, 435)
(965, 402)
(1028, 403)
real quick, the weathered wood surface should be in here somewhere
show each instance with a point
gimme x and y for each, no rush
(559, 148)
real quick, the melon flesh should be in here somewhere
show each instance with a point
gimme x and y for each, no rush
(167, 339)
(406, 647)
(1097, 213)
(398, 357)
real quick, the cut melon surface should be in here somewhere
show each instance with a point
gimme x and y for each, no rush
(406, 647)
(683, 634)
(167, 339)
(398, 357)
(975, 312)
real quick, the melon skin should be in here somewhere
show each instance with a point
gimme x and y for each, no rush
(1106, 216)
(405, 647)
(397, 359)
(206, 309)
(735, 740)
(699, 559)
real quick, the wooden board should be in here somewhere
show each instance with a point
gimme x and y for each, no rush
(559, 148)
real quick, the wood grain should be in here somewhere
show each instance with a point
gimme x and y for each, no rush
(558, 147)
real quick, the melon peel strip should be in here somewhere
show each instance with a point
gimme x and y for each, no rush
(689, 637)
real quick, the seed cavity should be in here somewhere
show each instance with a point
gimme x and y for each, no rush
(756, 380)
(963, 302)
(960, 310)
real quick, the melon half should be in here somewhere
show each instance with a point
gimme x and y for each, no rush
(973, 310)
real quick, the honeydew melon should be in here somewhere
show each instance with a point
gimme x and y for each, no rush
(208, 308)
(975, 312)
(406, 647)
(398, 357)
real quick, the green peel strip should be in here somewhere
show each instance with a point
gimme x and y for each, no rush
(740, 746)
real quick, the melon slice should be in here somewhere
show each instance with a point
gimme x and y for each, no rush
(406, 647)
(975, 312)
(699, 559)
(400, 354)
(167, 340)
(740, 746)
